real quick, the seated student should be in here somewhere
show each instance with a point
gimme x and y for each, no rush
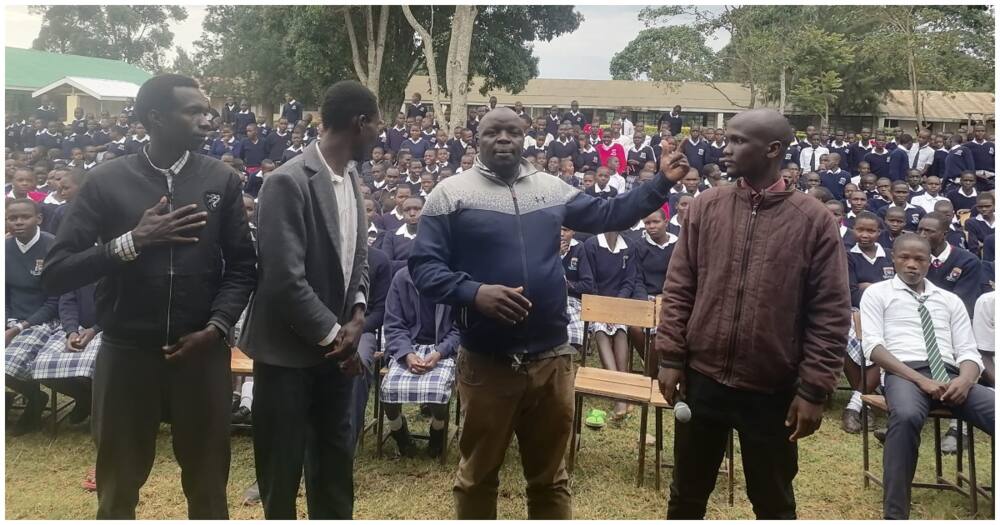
(964, 197)
(952, 268)
(616, 181)
(955, 234)
(867, 263)
(913, 213)
(834, 179)
(858, 202)
(412, 179)
(69, 186)
(24, 185)
(690, 185)
(567, 172)
(601, 187)
(983, 328)
(66, 362)
(921, 336)
(379, 276)
(894, 221)
(30, 313)
(429, 162)
(681, 207)
(931, 194)
(589, 180)
(837, 210)
(295, 149)
(552, 166)
(118, 144)
(587, 158)
(653, 249)
(397, 243)
(371, 212)
(224, 144)
(391, 221)
(426, 184)
(607, 268)
(421, 340)
(570, 251)
(980, 226)
(442, 160)
(867, 182)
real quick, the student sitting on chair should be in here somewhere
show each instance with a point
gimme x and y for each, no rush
(921, 336)
(396, 244)
(652, 256)
(607, 269)
(570, 251)
(421, 340)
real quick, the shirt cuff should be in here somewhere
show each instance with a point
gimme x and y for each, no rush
(124, 248)
(331, 336)
(359, 298)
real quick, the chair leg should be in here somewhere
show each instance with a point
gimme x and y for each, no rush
(959, 453)
(938, 471)
(865, 410)
(585, 344)
(55, 413)
(642, 443)
(447, 424)
(659, 444)
(379, 429)
(973, 487)
(729, 454)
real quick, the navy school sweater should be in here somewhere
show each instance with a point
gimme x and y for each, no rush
(695, 153)
(277, 143)
(416, 149)
(899, 164)
(844, 150)
(983, 155)
(962, 201)
(835, 182)
(861, 270)
(605, 273)
(397, 246)
(560, 150)
(878, 162)
(585, 161)
(571, 266)
(978, 230)
(252, 153)
(77, 309)
(24, 298)
(958, 160)
(912, 212)
(450, 260)
(960, 274)
(379, 277)
(651, 261)
(791, 155)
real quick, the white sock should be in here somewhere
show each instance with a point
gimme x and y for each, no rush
(437, 424)
(246, 395)
(396, 424)
(855, 402)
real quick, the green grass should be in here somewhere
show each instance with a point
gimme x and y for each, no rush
(43, 478)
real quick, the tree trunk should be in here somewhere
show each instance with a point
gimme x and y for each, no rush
(781, 101)
(375, 65)
(428, 44)
(462, 24)
(355, 55)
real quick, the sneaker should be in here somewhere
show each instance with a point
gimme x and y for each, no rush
(31, 418)
(851, 421)
(404, 442)
(949, 445)
(251, 496)
(435, 445)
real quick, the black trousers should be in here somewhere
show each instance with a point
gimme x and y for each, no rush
(132, 388)
(770, 461)
(302, 418)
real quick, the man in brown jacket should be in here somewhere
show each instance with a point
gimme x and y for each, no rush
(756, 309)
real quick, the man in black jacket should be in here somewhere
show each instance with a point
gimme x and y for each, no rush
(176, 267)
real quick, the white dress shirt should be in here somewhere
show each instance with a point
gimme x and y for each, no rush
(983, 322)
(343, 190)
(924, 155)
(806, 156)
(927, 201)
(617, 182)
(889, 318)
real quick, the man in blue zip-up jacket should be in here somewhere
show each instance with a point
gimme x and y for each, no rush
(488, 244)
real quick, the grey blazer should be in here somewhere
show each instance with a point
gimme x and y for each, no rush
(300, 287)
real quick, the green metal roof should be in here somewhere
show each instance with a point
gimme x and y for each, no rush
(28, 69)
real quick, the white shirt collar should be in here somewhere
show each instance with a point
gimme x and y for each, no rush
(955, 147)
(88, 165)
(143, 139)
(619, 245)
(119, 141)
(973, 194)
(843, 231)
(929, 288)
(944, 254)
(25, 247)
(675, 220)
(396, 214)
(379, 185)
(573, 242)
(372, 228)
(879, 252)
(671, 238)
(983, 220)
(337, 178)
(293, 148)
(693, 143)
(405, 233)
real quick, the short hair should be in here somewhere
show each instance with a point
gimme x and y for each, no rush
(834, 202)
(30, 202)
(867, 215)
(939, 217)
(709, 168)
(986, 196)
(344, 101)
(77, 175)
(660, 212)
(822, 194)
(910, 237)
(157, 93)
(900, 183)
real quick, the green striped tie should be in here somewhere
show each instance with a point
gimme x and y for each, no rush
(930, 340)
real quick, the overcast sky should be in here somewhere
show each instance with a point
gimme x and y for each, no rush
(583, 54)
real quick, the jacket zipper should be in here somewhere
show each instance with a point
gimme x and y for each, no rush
(520, 238)
(170, 286)
(731, 350)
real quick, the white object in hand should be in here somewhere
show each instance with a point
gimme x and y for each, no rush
(682, 412)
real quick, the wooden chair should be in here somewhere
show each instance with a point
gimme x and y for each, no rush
(657, 401)
(871, 400)
(377, 365)
(609, 384)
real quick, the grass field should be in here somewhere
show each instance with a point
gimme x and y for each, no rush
(43, 478)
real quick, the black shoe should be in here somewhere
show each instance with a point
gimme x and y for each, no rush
(425, 410)
(31, 418)
(851, 421)
(241, 416)
(236, 401)
(880, 435)
(404, 442)
(79, 414)
(435, 445)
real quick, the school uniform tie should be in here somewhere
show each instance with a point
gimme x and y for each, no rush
(930, 340)
(812, 161)
(916, 158)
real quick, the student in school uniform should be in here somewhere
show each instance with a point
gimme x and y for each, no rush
(900, 194)
(229, 110)
(914, 182)
(137, 140)
(415, 108)
(951, 268)
(921, 154)
(940, 155)
(899, 161)
(294, 150)
(397, 243)
(397, 133)
(443, 161)
(252, 151)
(983, 156)
(638, 154)
(882, 196)
(958, 162)
(842, 149)
(575, 116)
(564, 146)
(379, 279)
(931, 195)
(922, 338)
(570, 251)
(24, 186)
(278, 141)
(568, 174)
(608, 268)
(29, 311)
(878, 160)
(965, 195)
(895, 221)
(412, 179)
(391, 221)
(552, 121)
(695, 149)
(868, 263)
(421, 342)
(860, 148)
(836, 208)
(984, 330)
(981, 225)
(716, 147)
(602, 187)
(690, 185)
(291, 111)
(835, 178)
(955, 234)
(225, 143)
(244, 118)
(69, 186)
(49, 137)
(810, 154)
(415, 144)
(118, 144)
(608, 149)
(672, 119)
(653, 249)
(680, 210)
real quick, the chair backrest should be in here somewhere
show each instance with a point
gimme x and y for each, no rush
(963, 216)
(614, 310)
(857, 324)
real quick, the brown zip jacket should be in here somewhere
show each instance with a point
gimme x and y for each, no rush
(756, 295)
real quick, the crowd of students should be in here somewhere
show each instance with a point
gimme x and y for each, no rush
(878, 186)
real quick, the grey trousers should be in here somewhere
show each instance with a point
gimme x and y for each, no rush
(909, 407)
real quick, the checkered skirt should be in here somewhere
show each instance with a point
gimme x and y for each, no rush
(55, 362)
(854, 350)
(402, 386)
(20, 354)
(608, 328)
(575, 327)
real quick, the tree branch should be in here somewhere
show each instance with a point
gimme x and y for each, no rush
(354, 47)
(428, 44)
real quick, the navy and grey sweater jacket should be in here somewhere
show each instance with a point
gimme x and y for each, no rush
(404, 322)
(605, 273)
(651, 263)
(379, 278)
(477, 229)
(24, 299)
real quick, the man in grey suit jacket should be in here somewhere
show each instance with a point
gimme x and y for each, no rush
(307, 315)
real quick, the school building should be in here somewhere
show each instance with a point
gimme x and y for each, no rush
(70, 81)
(709, 105)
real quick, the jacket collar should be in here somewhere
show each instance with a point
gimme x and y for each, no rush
(524, 169)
